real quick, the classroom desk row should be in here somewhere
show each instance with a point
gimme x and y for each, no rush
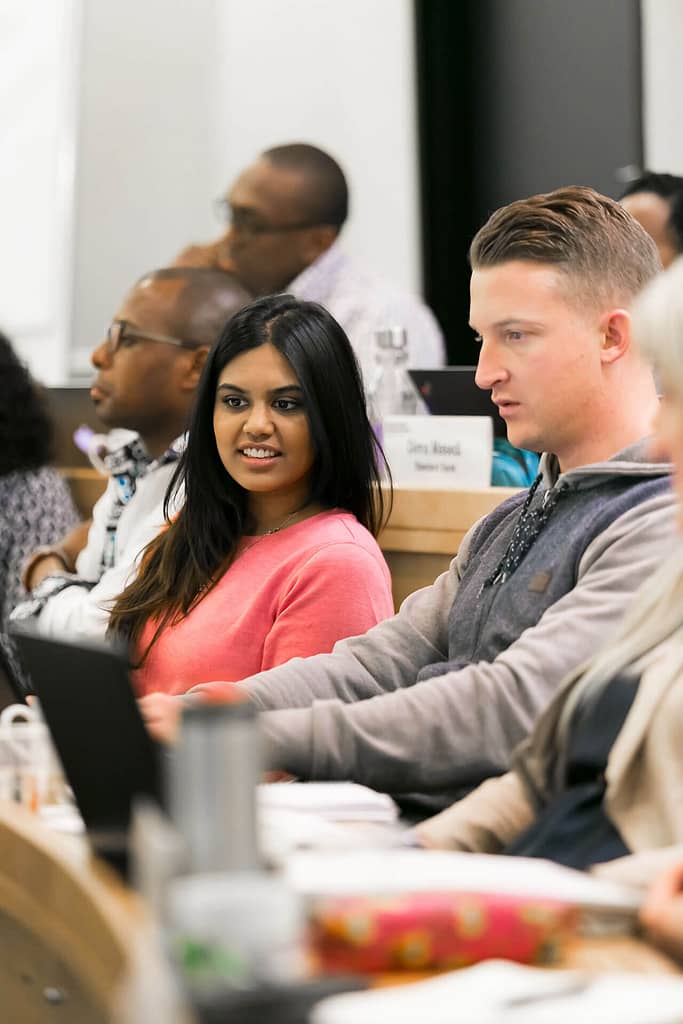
(69, 930)
(76, 945)
(425, 529)
(420, 539)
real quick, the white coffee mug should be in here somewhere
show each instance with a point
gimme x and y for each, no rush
(30, 772)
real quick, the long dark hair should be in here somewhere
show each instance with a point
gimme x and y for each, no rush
(185, 560)
(26, 432)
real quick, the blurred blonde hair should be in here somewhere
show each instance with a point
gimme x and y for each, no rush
(658, 327)
(656, 614)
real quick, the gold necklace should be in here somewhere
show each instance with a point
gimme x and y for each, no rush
(285, 522)
(268, 533)
(257, 539)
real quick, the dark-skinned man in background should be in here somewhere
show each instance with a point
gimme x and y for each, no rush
(148, 367)
(285, 215)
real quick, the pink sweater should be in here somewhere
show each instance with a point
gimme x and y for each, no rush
(288, 594)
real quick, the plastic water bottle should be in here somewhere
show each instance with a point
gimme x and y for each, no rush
(230, 925)
(391, 391)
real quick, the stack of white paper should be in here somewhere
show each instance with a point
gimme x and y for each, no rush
(319, 816)
(499, 992)
(391, 871)
(63, 818)
(334, 801)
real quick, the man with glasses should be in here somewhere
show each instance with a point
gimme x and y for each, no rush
(148, 367)
(285, 213)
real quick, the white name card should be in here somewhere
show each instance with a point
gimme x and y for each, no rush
(441, 453)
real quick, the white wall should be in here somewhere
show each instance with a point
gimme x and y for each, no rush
(171, 101)
(340, 75)
(145, 153)
(38, 112)
(178, 98)
(174, 99)
(662, 22)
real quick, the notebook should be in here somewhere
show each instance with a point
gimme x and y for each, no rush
(334, 801)
(499, 992)
(391, 872)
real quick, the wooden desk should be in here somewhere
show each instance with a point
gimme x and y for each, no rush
(596, 955)
(425, 530)
(419, 541)
(86, 486)
(71, 933)
(74, 940)
(617, 953)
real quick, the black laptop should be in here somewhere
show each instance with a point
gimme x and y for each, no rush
(451, 391)
(108, 756)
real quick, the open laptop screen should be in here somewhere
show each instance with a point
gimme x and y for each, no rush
(89, 706)
(451, 391)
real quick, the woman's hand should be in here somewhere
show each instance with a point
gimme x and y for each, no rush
(662, 912)
(162, 714)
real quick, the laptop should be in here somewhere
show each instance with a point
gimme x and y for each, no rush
(12, 688)
(107, 754)
(451, 391)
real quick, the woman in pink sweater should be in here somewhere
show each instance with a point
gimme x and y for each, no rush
(272, 555)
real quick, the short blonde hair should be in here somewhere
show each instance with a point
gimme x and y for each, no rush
(605, 254)
(658, 326)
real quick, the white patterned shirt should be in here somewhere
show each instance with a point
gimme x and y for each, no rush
(82, 611)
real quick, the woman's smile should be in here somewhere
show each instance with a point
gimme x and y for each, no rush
(255, 452)
(261, 426)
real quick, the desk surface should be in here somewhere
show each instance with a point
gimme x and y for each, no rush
(421, 521)
(69, 926)
(425, 530)
(435, 522)
(422, 536)
(74, 941)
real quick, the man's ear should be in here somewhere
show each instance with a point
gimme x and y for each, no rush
(195, 365)
(317, 240)
(617, 338)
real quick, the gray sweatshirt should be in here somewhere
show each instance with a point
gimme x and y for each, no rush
(435, 699)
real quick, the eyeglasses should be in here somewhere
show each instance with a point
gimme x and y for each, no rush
(120, 334)
(243, 222)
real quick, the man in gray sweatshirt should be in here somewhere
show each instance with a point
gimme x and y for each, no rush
(435, 699)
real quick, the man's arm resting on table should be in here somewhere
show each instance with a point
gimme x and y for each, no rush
(457, 729)
(388, 657)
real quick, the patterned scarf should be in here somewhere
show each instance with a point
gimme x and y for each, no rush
(126, 466)
(527, 528)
